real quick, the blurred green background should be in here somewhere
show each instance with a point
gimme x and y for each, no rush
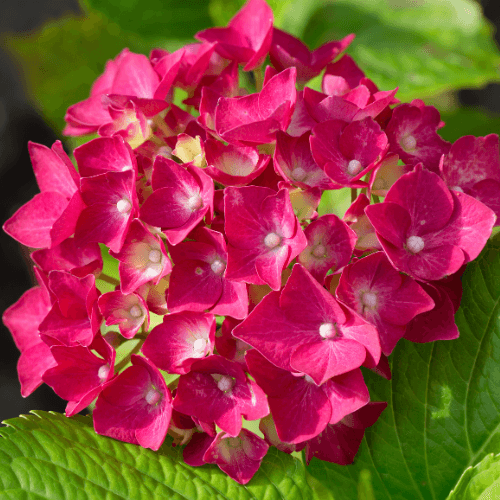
(51, 51)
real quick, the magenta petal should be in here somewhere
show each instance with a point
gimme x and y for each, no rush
(347, 393)
(193, 286)
(181, 339)
(327, 359)
(53, 172)
(104, 154)
(135, 407)
(32, 364)
(239, 457)
(32, 223)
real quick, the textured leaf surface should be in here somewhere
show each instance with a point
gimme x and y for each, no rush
(481, 482)
(444, 403)
(48, 456)
(424, 48)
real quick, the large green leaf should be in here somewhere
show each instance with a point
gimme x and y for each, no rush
(481, 482)
(444, 403)
(425, 48)
(48, 456)
(157, 18)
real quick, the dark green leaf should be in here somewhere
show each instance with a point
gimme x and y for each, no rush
(425, 48)
(48, 456)
(156, 19)
(444, 400)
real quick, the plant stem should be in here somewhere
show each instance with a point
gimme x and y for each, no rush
(259, 78)
(354, 194)
(108, 279)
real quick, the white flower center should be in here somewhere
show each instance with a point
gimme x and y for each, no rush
(409, 143)
(308, 379)
(319, 251)
(415, 244)
(272, 240)
(298, 173)
(354, 167)
(103, 372)
(327, 330)
(457, 188)
(154, 256)
(199, 346)
(135, 311)
(369, 299)
(225, 383)
(124, 206)
(217, 266)
(194, 203)
(152, 396)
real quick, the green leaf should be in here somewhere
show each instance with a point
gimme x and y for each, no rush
(425, 48)
(49, 456)
(470, 121)
(62, 60)
(481, 482)
(156, 19)
(443, 403)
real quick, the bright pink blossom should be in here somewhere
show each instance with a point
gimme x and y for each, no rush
(255, 119)
(428, 231)
(304, 329)
(218, 390)
(135, 406)
(180, 340)
(247, 37)
(239, 457)
(263, 234)
(300, 408)
(383, 296)
(49, 217)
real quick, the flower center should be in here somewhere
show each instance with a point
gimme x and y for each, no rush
(319, 251)
(199, 346)
(135, 311)
(409, 143)
(153, 396)
(194, 203)
(272, 240)
(327, 330)
(299, 173)
(457, 188)
(354, 167)
(103, 372)
(308, 379)
(415, 244)
(124, 206)
(225, 383)
(217, 266)
(369, 299)
(154, 256)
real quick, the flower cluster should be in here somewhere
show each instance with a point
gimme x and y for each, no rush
(263, 309)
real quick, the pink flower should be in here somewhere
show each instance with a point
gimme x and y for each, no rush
(247, 37)
(263, 234)
(218, 390)
(255, 119)
(428, 231)
(304, 329)
(135, 406)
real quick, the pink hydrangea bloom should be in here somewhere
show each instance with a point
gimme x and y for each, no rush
(263, 234)
(135, 406)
